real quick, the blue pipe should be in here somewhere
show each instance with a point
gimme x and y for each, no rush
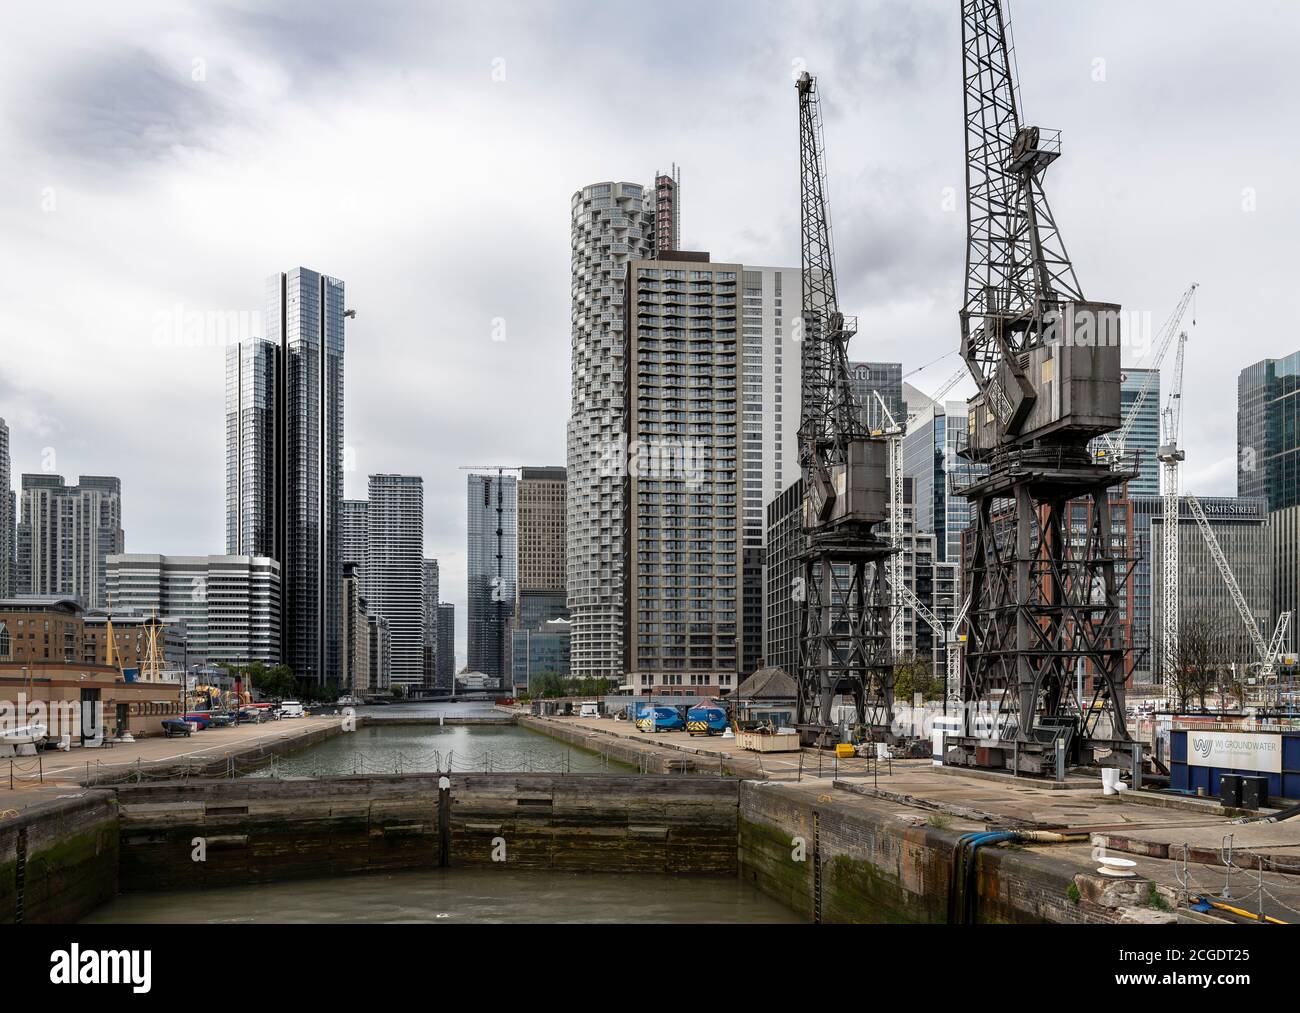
(961, 907)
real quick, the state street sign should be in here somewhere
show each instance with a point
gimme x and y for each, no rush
(1235, 750)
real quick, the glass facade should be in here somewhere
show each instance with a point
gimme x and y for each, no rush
(1268, 431)
(541, 650)
(304, 319)
(493, 503)
(885, 378)
(252, 376)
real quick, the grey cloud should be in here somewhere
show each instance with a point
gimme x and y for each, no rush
(124, 107)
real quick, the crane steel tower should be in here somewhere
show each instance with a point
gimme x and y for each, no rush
(844, 603)
(1045, 605)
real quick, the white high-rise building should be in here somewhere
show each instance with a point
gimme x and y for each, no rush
(394, 575)
(770, 391)
(230, 605)
(354, 532)
(611, 223)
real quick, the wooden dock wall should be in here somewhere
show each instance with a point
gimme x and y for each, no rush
(59, 859)
(262, 830)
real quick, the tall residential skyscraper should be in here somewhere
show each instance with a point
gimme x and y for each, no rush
(682, 605)
(446, 646)
(1268, 431)
(541, 594)
(354, 533)
(394, 578)
(283, 490)
(431, 591)
(8, 533)
(252, 449)
(770, 427)
(611, 223)
(65, 533)
(491, 565)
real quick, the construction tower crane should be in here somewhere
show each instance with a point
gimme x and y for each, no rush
(893, 434)
(844, 644)
(1044, 594)
(949, 636)
(1115, 444)
(1170, 455)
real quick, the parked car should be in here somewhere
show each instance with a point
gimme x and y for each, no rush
(291, 709)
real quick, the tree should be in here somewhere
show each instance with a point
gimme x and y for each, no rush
(1204, 650)
(915, 674)
(548, 684)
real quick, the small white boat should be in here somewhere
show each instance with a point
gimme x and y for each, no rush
(24, 735)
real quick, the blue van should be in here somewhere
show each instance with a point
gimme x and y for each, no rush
(706, 719)
(659, 719)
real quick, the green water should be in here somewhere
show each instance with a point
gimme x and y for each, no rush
(419, 749)
(459, 896)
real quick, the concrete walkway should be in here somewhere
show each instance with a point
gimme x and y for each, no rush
(57, 772)
(1141, 824)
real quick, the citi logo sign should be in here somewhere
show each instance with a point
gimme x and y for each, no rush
(75, 966)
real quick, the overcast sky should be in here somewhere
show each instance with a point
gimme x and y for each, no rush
(160, 161)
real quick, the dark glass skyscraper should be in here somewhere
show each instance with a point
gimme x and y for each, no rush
(252, 382)
(284, 460)
(1268, 431)
(492, 562)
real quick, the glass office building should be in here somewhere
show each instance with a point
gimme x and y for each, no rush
(284, 460)
(492, 571)
(1268, 431)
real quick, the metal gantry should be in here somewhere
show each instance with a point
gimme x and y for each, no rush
(844, 605)
(1044, 583)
